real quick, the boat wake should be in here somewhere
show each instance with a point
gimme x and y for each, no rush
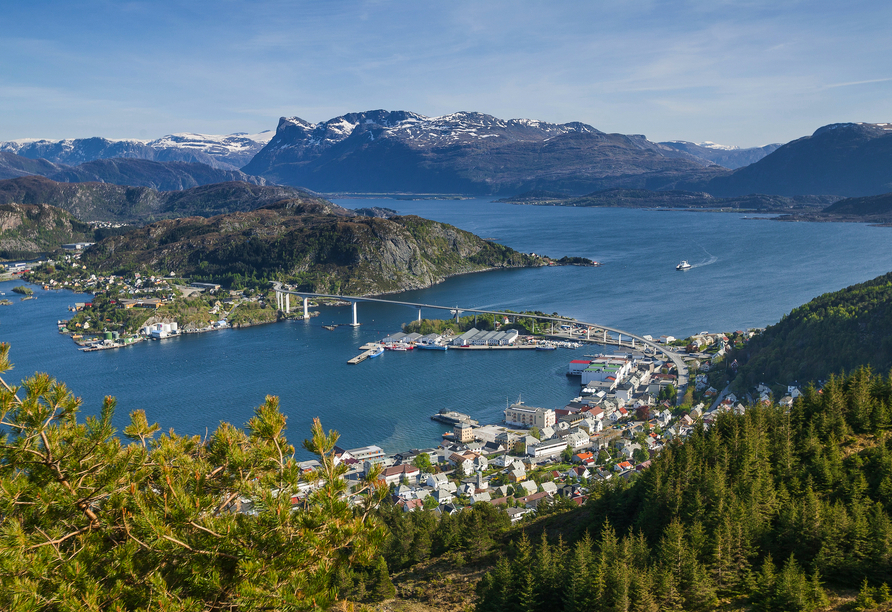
(712, 259)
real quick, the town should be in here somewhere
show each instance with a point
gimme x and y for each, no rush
(538, 458)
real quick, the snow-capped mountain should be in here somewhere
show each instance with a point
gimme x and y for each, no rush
(464, 152)
(727, 156)
(461, 127)
(224, 152)
(841, 159)
(234, 149)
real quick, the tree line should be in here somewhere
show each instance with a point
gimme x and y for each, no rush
(765, 507)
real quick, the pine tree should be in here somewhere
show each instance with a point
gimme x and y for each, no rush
(765, 585)
(578, 591)
(548, 575)
(791, 591)
(865, 600)
(381, 587)
(641, 592)
(160, 521)
(523, 582)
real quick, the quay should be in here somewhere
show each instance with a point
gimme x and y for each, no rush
(451, 417)
(367, 350)
(505, 347)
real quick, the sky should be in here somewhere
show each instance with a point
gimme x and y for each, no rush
(743, 73)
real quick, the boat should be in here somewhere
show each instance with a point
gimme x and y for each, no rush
(684, 265)
(377, 352)
(398, 346)
(546, 347)
(431, 347)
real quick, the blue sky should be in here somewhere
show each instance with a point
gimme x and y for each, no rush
(744, 73)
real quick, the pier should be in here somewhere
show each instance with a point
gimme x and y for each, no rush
(367, 350)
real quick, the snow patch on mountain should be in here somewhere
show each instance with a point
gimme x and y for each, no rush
(227, 152)
(417, 130)
(212, 144)
(717, 147)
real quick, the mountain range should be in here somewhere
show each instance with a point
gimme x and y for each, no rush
(722, 155)
(843, 159)
(164, 176)
(469, 153)
(225, 152)
(121, 204)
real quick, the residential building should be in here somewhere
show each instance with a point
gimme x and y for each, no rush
(527, 416)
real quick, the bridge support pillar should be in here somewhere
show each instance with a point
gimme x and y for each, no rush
(457, 314)
(306, 308)
(419, 315)
(287, 303)
(355, 321)
(605, 336)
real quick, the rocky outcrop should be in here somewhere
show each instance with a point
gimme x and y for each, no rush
(26, 230)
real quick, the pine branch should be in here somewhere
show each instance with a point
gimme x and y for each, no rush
(197, 526)
(62, 539)
(198, 550)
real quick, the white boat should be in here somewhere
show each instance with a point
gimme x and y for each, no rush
(377, 352)
(684, 265)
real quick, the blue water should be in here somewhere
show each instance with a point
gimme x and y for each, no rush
(746, 273)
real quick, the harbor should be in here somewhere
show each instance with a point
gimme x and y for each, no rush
(473, 340)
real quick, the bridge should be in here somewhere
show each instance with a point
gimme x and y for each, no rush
(283, 302)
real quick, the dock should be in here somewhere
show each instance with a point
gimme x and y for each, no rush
(367, 350)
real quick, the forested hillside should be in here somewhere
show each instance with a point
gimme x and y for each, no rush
(309, 242)
(834, 332)
(762, 509)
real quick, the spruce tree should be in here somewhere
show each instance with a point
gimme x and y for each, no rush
(381, 587)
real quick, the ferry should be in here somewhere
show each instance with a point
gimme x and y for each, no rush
(684, 265)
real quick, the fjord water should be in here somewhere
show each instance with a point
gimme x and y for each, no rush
(747, 272)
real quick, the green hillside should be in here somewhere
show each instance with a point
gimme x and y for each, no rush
(835, 332)
(311, 243)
